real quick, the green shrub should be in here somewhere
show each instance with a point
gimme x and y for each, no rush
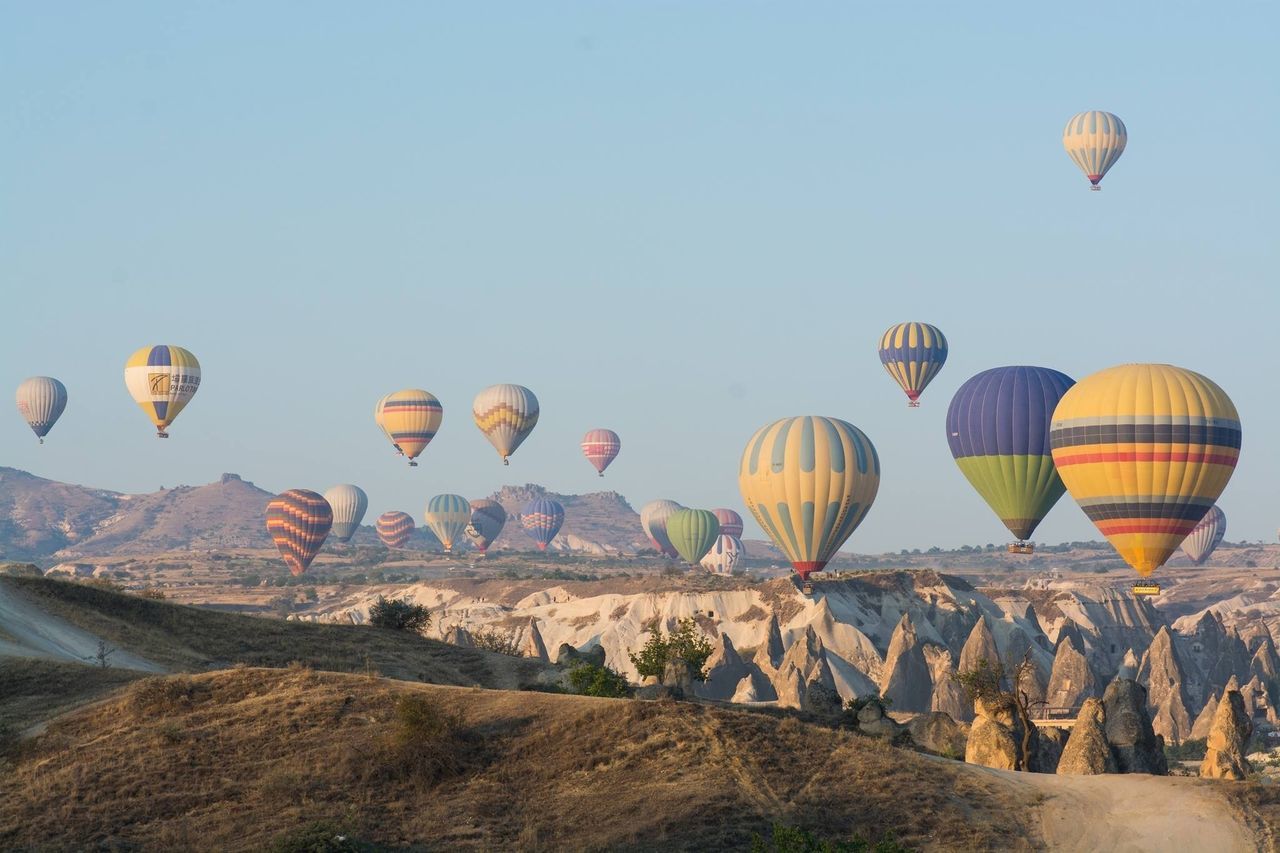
(1188, 750)
(492, 640)
(686, 642)
(591, 680)
(399, 615)
(426, 743)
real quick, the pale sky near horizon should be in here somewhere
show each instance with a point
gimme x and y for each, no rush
(680, 221)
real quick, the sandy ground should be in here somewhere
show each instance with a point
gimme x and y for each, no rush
(1131, 813)
(31, 632)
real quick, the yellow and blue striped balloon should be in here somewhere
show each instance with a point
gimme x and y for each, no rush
(506, 414)
(162, 380)
(1145, 450)
(1094, 141)
(809, 482)
(410, 418)
(913, 353)
(447, 516)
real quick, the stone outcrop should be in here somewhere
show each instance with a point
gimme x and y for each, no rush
(534, 646)
(773, 649)
(994, 738)
(746, 691)
(1072, 680)
(1087, 752)
(725, 670)
(1134, 743)
(459, 636)
(872, 720)
(1254, 635)
(1128, 666)
(1225, 757)
(1204, 722)
(821, 700)
(678, 676)
(1069, 632)
(939, 733)
(907, 682)
(804, 670)
(1265, 664)
(948, 696)
(1163, 674)
(980, 645)
(1254, 695)
(1050, 741)
(567, 655)
(1218, 654)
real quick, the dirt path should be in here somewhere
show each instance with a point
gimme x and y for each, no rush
(31, 632)
(1130, 813)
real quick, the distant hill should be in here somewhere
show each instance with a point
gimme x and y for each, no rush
(39, 517)
(598, 523)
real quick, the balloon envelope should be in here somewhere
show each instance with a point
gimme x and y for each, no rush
(1094, 141)
(448, 516)
(162, 380)
(601, 446)
(913, 353)
(299, 521)
(692, 533)
(1206, 536)
(348, 503)
(724, 555)
(394, 528)
(41, 401)
(1145, 450)
(998, 430)
(653, 518)
(487, 520)
(730, 522)
(809, 482)
(542, 519)
(506, 414)
(410, 418)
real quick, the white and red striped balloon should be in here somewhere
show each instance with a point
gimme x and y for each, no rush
(601, 447)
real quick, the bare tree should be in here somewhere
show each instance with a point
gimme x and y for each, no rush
(986, 681)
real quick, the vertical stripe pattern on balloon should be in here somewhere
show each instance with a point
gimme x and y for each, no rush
(41, 401)
(913, 353)
(1094, 141)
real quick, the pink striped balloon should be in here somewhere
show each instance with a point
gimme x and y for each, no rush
(730, 522)
(601, 447)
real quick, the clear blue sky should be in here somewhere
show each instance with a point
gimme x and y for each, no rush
(677, 220)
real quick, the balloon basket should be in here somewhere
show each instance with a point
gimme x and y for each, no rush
(807, 588)
(913, 404)
(1146, 589)
(506, 461)
(1022, 548)
(413, 464)
(162, 434)
(1095, 188)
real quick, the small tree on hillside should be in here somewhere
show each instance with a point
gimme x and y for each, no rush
(985, 682)
(686, 642)
(399, 615)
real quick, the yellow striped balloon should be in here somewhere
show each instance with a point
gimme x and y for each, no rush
(809, 481)
(410, 418)
(1145, 450)
(1094, 141)
(913, 353)
(506, 414)
(162, 380)
(447, 516)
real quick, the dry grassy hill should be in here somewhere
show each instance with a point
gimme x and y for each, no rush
(234, 759)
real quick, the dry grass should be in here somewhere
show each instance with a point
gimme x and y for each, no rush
(190, 638)
(33, 689)
(1259, 806)
(231, 760)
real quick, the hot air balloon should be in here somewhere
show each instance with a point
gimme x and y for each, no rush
(730, 522)
(487, 520)
(653, 518)
(692, 533)
(1094, 141)
(394, 528)
(448, 516)
(913, 353)
(162, 380)
(410, 418)
(348, 503)
(542, 519)
(1206, 536)
(809, 482)
(41, 400)
(724, 555)
(299, 521)
(506, 414)
(1145, 450)
(998, 429)
(601, 447)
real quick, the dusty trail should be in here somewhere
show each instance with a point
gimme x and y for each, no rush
(1135, 813)
(29, 631)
